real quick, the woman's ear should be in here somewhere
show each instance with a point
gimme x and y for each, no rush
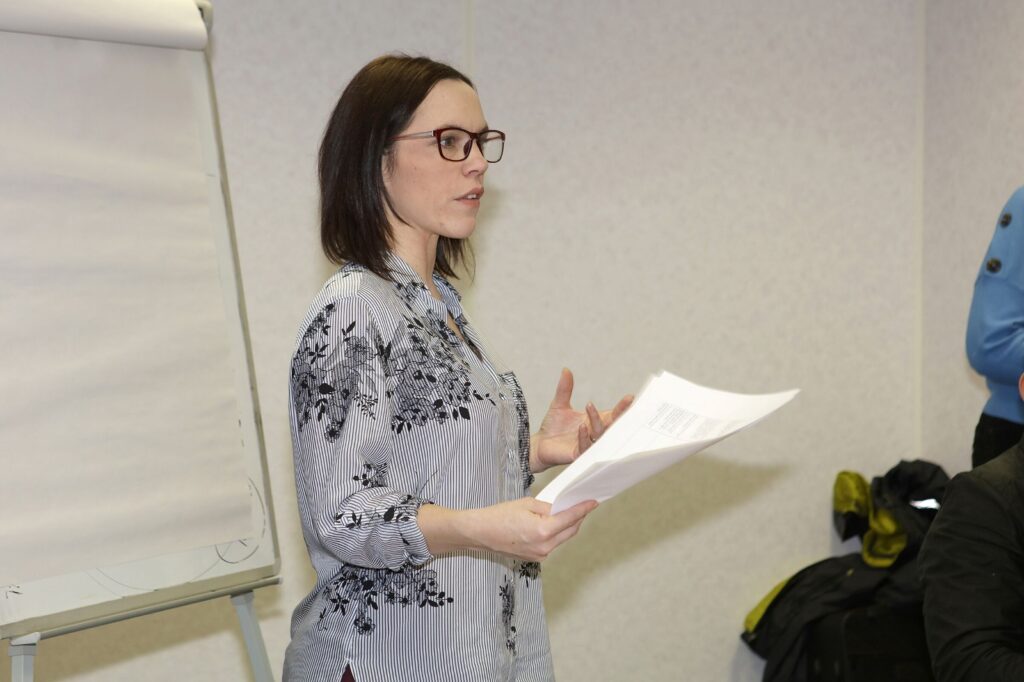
(1020, 386)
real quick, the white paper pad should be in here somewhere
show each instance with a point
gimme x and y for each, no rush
(669, 420)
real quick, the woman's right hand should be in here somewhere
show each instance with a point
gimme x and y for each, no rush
(523, 529)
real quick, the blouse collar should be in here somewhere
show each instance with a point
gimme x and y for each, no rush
(406, 278)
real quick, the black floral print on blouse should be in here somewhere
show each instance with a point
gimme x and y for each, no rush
(400, 512)
(522, 427)
(331, 397)
(507, 592)
(433, 381)
(364, 589)
(373, 476)
(529, 570)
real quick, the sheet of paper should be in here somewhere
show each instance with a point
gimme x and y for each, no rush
(669, 420)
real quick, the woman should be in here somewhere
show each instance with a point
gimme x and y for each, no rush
(411, 442)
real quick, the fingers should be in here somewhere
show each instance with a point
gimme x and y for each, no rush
(563, 392)
(534, 532)
(596, 424)
(609, 416)
(621, 406)
(571, 516)
(567, 534)
(577, 514)
(583, 440)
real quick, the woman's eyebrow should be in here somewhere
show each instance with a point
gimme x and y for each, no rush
(460, 127)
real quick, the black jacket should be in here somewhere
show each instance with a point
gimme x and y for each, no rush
(847, 582)
(972, 566)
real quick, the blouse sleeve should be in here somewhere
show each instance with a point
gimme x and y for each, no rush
(341, 430)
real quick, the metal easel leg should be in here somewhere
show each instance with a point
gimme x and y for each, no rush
(22, 651)
(253, 637)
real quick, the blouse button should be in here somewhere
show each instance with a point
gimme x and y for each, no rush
(994, 265)
(1005, 220)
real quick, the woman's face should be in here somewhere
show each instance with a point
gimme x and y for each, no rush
(433, 195)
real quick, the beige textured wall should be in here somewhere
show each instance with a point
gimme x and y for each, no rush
(731, 191)
(728, 191)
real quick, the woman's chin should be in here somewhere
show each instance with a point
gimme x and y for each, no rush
(461, 230)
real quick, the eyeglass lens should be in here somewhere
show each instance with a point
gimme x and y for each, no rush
(456, 145)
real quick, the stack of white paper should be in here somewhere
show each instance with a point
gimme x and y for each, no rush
(669, 420)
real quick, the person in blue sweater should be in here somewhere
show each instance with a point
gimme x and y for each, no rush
(995, 334)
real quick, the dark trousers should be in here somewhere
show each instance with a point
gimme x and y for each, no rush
(992, 437)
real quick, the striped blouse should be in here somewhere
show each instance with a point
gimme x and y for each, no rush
(391, 410)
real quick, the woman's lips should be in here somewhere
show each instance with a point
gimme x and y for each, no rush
(474, 193)
(472, 197)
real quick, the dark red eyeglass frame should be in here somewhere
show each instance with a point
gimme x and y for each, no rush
(438, 132)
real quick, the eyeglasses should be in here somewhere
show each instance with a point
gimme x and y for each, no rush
(454, 144)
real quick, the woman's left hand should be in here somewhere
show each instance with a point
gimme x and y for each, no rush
(565, 433)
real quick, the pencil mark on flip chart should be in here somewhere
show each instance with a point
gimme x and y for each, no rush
(240, 550)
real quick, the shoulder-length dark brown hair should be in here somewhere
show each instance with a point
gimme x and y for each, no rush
(376, 106)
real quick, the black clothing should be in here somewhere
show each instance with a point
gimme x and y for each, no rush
(884, 574)
(992, 437)
(972, 565)
(830, 586)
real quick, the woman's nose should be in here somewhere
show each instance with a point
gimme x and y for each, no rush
(475, 162)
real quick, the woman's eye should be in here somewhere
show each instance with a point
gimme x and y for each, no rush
(450, 140)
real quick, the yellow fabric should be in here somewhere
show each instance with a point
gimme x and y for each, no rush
(884, 539)
(851, 494)
(754, 617)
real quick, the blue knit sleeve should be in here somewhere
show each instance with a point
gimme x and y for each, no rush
(995, 327)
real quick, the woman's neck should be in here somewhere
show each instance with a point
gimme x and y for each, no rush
(420, 252)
